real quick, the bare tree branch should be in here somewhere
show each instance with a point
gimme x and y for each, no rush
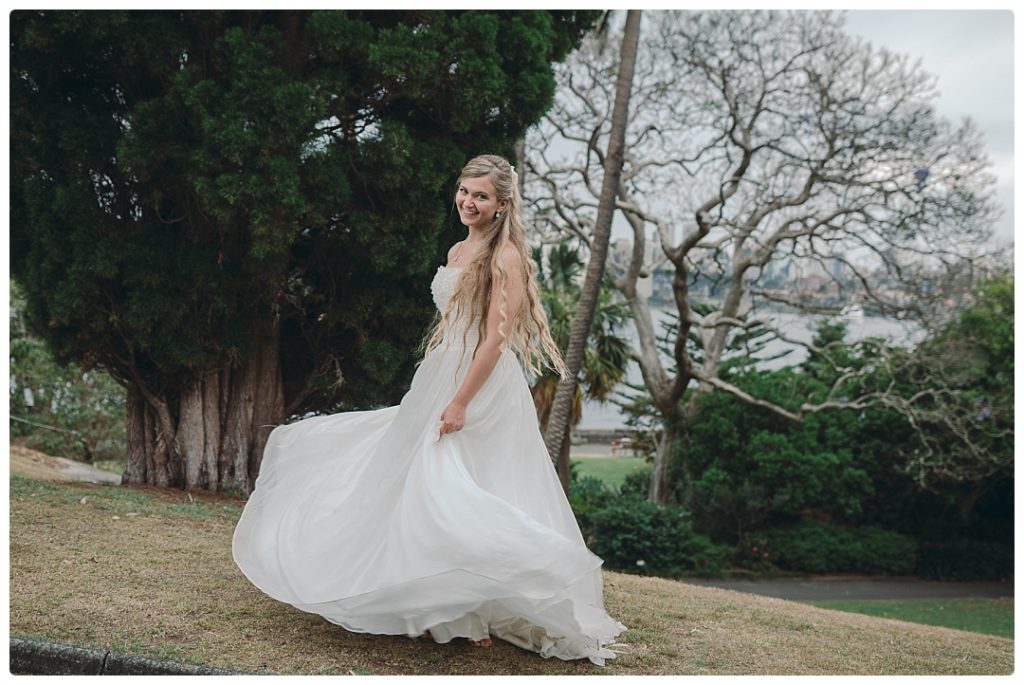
(758, 139)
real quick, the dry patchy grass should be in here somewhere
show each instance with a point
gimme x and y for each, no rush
(150, 571)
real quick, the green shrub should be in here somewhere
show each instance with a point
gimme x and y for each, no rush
(590, 490)
(885, 551)
(588, 495)
(809, 547)
(637, 535)
(815, 547)
(965, 559)
(61, 410)
(637, 482)
(751, 552)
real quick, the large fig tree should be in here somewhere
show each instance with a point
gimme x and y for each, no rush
(237, 213)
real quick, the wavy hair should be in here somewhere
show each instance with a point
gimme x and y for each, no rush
(527, 333)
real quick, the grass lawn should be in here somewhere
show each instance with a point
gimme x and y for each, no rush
(612, 470)
(976, 614)
(148, 570)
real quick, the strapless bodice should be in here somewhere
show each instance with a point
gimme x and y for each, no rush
(443, 285)
(441, 288)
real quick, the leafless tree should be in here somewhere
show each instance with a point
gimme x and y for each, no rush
(756, 138)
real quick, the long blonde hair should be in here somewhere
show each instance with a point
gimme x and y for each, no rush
(527, 334)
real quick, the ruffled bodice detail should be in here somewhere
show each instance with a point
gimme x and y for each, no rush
(443, 285)
(461, 330)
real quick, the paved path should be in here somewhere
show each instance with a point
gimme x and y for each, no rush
(815, 588)
(34, 464)
(77, 470)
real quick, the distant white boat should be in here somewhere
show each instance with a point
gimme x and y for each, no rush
(852, 312)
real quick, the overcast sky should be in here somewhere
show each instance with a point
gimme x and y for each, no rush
(971, 54)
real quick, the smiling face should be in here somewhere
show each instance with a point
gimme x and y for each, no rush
(477, 201)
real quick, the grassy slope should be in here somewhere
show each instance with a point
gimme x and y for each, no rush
(150, 571)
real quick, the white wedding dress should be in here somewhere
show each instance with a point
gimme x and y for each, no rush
(366, 519)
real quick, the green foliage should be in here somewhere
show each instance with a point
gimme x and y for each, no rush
(587, 496)
(592, 491)
(606, 354)
(640, 536)
(961, 559)
(748, 469)
(751, 552)
(623, 528)
(187, 184)
(988, 322)
(61, 410)
(641, 417)
(829, 336)
(738, 359)
(964, 377)
(885, 551)
(637, 483)
(815, 547)
(747, 464)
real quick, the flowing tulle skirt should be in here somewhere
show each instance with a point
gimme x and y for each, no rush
(366, 519)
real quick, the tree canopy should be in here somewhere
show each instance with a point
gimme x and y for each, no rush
(188, 185)
(180, 178)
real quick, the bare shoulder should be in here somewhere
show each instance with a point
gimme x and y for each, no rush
(453, 249)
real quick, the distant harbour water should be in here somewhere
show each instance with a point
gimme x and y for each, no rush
(797, 325)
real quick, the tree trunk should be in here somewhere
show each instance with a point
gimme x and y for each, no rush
(584, 316)
(519, 149)
(660, 488)
(215, 439)
(563, 459)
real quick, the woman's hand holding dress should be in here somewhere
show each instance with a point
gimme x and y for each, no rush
(453, 418)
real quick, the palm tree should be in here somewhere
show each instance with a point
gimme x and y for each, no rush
(556, 433)
(604, 360)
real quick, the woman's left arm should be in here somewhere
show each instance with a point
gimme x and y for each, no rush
(486, 358)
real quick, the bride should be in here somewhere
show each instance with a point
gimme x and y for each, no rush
(443, 515)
